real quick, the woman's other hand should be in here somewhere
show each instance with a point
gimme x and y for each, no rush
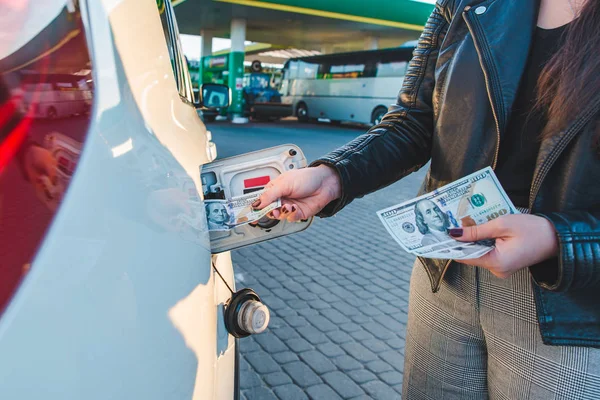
(303, 192)
(521, 241)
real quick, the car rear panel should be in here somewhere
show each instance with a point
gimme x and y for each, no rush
(106, 292)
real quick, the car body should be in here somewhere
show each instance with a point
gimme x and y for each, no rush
(108, 287)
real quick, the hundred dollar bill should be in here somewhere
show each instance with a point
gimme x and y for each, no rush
(420, 225)
(223, 215)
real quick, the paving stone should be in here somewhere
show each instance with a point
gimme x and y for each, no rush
(262, 362)
(361, 335)
(380, 391)
(361, 376)
(393, 358)
(378, 366)
(284, 294)
(301, 374)
(329, 297)
(249, 379)
(308, 313)
(359, 352)
(350, 327)
(296, 321)
(270, 343)
(297, 304)
(346, 363)
(401, 317)
(344, 308)
(319, 304)
(342, 384)
(259, 393)
(284, 357)
(244, 366)
(390, 323)
(286, 332)
(277, 378)
(388, 308)
(322, 392)
(298, 345)
(330, 350)
(378, 330)
(302, 279)
(339, 337)
(323, 324)
(390, 297)
(307, 296)
(360, 319)
(317, 361)
(386, 285)
(376, 345)
(313, 335)
(270, 283)
(249, 345)
(290, 392)
(335, 316)
(398, 388)
(376, 301)
(391, 377)
(285, 313)
(396, 343)
(371, 311)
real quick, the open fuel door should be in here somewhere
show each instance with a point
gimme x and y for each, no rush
(241, 175)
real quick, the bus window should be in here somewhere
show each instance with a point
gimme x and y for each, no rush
(397, 68)
(347, 71)
(307, 70)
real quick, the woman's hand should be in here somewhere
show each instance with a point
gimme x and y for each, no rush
(521, 241)
(303, 192)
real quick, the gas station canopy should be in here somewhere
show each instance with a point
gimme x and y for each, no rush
(338, 25)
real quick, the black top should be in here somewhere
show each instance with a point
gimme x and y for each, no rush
(520, 143)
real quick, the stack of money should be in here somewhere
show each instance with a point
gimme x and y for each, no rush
(420, 226)
(224, 215)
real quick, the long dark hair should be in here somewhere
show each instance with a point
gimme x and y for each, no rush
(572, 77)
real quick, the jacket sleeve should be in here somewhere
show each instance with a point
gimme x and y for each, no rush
(401, 143)
(578, 264)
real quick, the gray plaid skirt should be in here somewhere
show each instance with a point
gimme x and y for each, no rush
(478, 338)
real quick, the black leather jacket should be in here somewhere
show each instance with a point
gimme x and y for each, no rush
(453, 108)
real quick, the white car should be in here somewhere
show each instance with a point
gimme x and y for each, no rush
(111, 286)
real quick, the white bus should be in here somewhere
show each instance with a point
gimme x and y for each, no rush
(54, 96)
(357, 86)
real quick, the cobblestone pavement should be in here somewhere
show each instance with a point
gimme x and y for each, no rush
(338, 297)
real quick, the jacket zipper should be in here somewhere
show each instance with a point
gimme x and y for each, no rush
(483, 52)
(559, 148)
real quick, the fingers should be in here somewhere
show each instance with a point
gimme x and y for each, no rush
(274, 190)
(295, 214)
(288, 212)
(475, 233)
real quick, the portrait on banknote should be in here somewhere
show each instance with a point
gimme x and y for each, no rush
(421, 225)
(218, 215)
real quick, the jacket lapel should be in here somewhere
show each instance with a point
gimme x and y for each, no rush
(502, 32)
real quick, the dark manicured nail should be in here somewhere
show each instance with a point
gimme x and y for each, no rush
(293, 208)
(256, 203)
(455, 232)
(284, 210)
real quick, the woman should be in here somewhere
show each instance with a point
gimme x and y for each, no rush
(514, 85)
